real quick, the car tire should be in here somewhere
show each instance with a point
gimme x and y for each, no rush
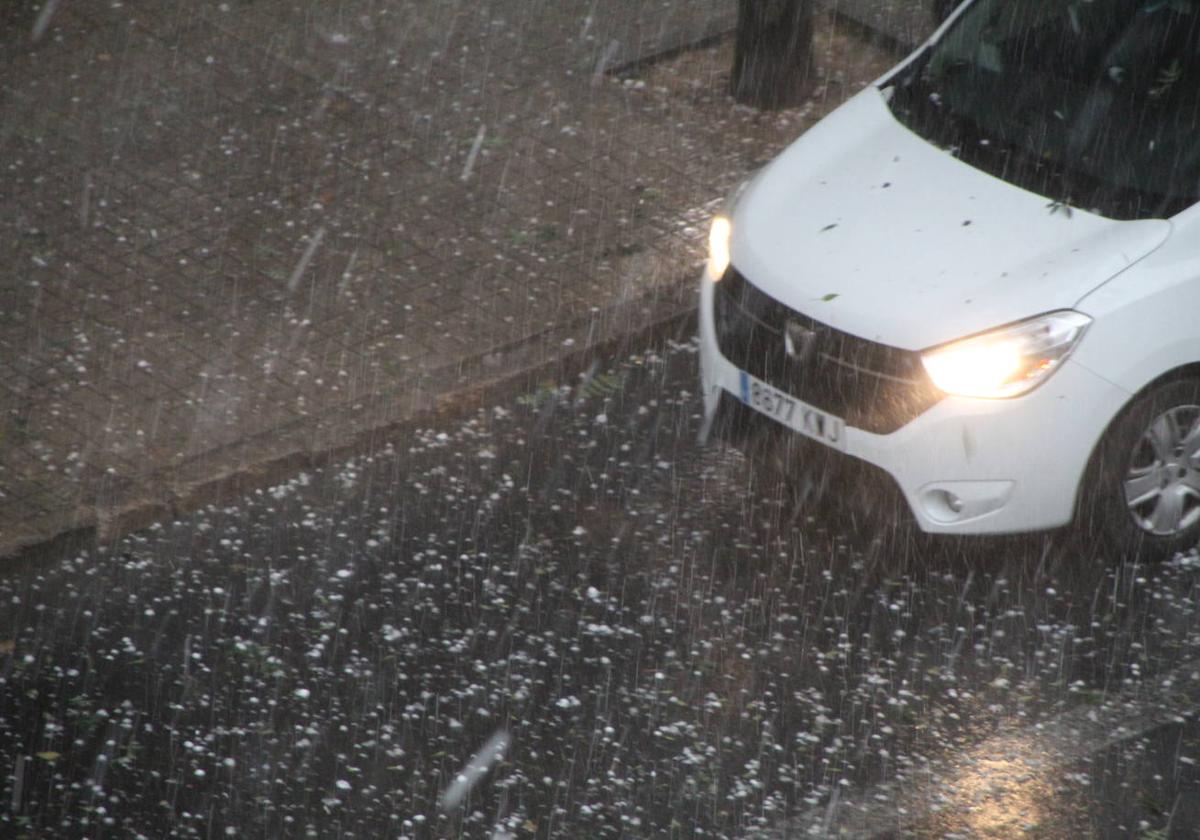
(1141, 492)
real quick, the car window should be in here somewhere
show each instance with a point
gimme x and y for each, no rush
(1094, 103)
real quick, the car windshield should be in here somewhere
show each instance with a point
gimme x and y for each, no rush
(1092, 103)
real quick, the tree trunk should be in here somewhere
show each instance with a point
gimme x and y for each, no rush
(772, 56)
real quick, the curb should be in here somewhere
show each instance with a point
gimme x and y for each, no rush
(666, 312)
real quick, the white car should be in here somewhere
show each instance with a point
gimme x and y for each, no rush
(981, 275)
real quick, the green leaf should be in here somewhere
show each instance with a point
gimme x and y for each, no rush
(829, 297)
(49, 755)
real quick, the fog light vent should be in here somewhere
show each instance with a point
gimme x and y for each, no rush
(943, 505)
(957, 501)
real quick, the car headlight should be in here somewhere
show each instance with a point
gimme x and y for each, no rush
(1008, 361)
(719, 237)
(720, 234)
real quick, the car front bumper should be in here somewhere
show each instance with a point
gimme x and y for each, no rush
(968, 466)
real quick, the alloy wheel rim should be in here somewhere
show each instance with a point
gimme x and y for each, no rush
(1162, 483)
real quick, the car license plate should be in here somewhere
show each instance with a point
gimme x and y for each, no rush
(791, 412)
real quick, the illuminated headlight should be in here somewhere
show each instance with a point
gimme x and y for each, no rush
(1008, 361)
(719, 237)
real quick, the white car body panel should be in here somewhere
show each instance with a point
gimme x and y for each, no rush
(892, 239)
(1147, 320)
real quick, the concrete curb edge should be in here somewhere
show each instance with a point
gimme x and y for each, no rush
(557, 354)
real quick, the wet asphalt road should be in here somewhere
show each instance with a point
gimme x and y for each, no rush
(655, 640)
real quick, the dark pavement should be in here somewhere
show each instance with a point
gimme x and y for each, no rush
(240, 235)
(605, 631)
(238, 232)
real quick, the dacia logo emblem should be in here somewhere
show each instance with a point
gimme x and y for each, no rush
(799, 342)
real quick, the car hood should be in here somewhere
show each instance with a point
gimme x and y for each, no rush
(866, 227)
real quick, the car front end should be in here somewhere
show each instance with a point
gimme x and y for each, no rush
(877, 296)
(964, 465)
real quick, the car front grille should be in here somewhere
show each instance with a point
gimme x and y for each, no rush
(871, 386)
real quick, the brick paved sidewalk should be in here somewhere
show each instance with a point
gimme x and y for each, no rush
(236, 235)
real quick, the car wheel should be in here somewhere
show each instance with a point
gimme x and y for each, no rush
(1141, 493)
